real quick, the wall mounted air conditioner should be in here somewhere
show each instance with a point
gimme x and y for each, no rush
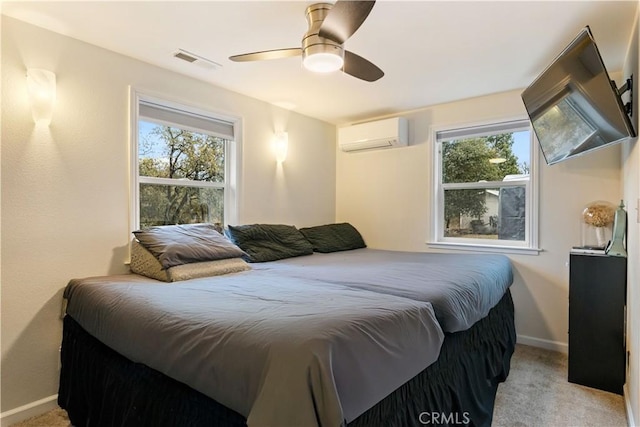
(378, 134)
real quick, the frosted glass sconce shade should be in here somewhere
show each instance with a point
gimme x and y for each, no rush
(41, 85)
(281, 146)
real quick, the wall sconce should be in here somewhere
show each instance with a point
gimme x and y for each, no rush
(281, 145)
(41, 85)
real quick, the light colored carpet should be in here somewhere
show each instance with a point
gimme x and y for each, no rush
(536, 394)
(54, 418)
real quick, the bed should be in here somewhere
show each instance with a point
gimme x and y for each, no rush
(356, 337)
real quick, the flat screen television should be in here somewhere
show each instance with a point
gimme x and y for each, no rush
(574, 107)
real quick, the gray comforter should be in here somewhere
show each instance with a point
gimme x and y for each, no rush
(461, 287)
(282, 351)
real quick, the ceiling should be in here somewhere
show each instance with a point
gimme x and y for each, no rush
(432, 52)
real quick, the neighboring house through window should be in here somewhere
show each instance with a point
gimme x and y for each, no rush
(183, 164)
(485, 194)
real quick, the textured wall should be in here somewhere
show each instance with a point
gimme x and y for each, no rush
(386, 195)
(631, 188)
(65, 188)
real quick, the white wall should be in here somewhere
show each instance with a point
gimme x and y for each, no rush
(631, 191)
(385, 194)
(0, 209)
(65, 189)
(65, 192)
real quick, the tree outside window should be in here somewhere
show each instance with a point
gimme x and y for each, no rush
(185, 163)
(181, 176)
(484, 185)
(480, 159)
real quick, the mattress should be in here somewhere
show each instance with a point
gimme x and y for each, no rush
(461, 287)
(277, 350)
(101, 388)
(310, 340)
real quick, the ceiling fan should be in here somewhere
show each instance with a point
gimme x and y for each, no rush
(330, 25)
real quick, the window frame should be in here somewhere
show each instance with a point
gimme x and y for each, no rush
(467, 130)
(233, 153)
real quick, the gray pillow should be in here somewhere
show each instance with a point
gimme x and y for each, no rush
(183, 244)
(269, 242)
(333, 237)
(144, 263)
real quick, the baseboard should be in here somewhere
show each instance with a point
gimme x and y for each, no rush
(627, 405)
(29, 410)
(542, 343)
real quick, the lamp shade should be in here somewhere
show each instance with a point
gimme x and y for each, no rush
(41, 86)
(281, 146)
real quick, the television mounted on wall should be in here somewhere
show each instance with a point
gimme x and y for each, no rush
(574, 106)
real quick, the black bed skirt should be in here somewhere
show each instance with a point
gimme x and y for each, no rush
(101, 388)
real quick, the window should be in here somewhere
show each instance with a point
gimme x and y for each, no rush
(183, 164)
(485, 188)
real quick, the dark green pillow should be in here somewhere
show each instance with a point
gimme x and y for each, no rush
(333, 237)
(269, 242)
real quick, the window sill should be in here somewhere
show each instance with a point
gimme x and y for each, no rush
(485, 248)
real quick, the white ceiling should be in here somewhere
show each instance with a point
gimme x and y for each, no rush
(432, 52)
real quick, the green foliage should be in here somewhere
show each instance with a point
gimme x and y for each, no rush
(501, 146)
(185, 154)
(467, 160)
(169, 152)
(165, 205)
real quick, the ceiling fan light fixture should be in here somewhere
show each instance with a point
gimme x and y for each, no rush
(323, 58)
(323, 62)
(322, 47)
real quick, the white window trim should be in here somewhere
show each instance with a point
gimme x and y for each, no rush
(233, 153)
(437, 239)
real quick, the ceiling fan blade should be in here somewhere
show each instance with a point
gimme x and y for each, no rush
(344, 18)
(359, 67)
(267, 54)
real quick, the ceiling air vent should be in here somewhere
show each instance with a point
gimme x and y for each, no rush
(192, 58)
(185, 57)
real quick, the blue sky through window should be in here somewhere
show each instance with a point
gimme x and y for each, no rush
(145, 134)
(521, 148)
